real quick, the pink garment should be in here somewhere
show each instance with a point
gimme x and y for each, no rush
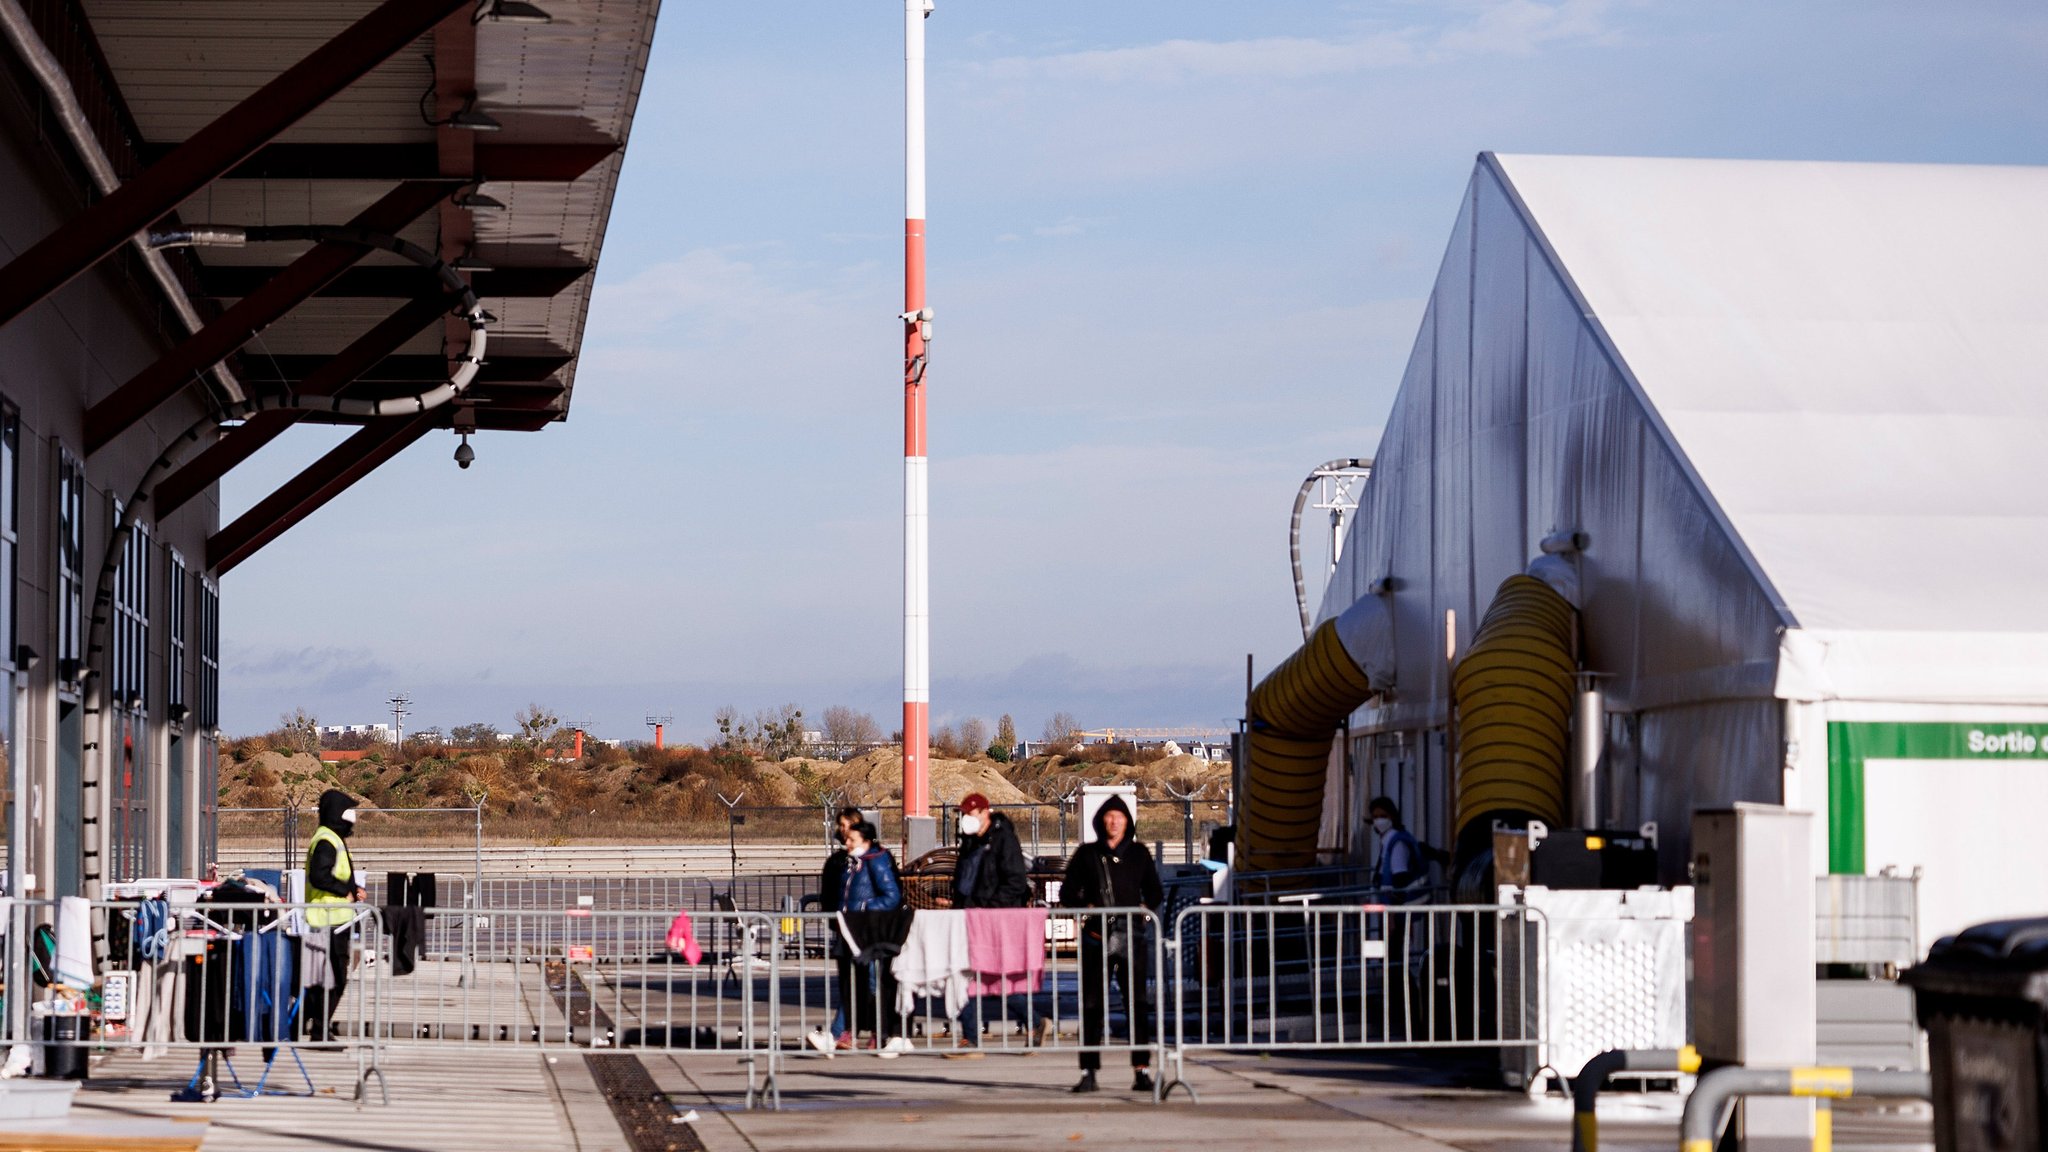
(682, 938)
(1006, 949)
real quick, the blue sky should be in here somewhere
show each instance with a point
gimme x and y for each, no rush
(1179, 250)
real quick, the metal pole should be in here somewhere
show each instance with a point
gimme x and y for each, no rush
(917, 329)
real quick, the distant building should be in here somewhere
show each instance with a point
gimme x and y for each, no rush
(339, 731)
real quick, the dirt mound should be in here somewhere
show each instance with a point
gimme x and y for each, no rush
(877, 778)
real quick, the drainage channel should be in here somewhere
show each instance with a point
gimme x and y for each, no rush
(645, 1114)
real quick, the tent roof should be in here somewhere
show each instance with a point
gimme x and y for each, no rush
(1853, 358)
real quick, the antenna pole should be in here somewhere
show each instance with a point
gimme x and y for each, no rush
(917, 331)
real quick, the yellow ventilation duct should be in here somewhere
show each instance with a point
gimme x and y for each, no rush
(1294, 714)
(1513, 692)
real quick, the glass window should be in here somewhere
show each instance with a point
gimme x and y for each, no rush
(70, 567)
(129, 665)
(209, 654)
(175, 610)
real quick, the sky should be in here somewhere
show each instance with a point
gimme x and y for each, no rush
(1179, 251)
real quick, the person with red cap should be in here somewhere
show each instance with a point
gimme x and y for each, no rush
(989, 873)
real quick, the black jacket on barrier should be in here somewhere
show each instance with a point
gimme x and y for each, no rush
(1131, 877)
(995, 861)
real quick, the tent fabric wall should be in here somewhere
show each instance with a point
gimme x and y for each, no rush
(1514, 420)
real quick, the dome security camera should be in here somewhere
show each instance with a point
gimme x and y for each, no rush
(464, 454)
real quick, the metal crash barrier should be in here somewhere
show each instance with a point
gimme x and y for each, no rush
(1365, 977)
(198, 981)
(1593, 1077)
(1107, 985)
(1717, 1091)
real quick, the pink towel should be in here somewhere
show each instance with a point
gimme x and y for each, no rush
(682, 938)
(1006, 949)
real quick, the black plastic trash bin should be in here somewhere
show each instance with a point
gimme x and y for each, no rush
(1982, 996)
(64, 1057)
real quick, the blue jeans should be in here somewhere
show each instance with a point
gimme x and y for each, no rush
(1016, 1007)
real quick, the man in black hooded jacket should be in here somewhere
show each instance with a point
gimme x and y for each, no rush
(1114, 870)
(331, 887)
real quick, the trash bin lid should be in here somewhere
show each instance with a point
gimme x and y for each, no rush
(2004, 959)
(2008, 944)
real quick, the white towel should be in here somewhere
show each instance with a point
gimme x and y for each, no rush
(933, 961)
(74, 943)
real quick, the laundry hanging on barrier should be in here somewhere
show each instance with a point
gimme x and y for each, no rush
(1006, 950)
(875, 935)
(933, 962)
(407, 927)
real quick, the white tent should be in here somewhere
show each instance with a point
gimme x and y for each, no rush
(1799, 412)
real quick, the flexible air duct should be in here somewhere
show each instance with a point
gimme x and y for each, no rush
(1513, 691)
(1294, 713)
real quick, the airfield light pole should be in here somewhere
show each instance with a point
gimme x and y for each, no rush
(917, 333)
(658, 723)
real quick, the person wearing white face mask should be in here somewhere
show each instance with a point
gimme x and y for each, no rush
(989, 873)
(1400, 860)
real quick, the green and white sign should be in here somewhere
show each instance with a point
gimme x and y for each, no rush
(1853, 744)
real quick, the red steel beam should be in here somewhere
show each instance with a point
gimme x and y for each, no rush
(253, 313)
(321, 481)
(330, 379)
(94, 233)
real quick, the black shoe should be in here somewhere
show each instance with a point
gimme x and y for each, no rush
(1142, 1082)
(1087, 1083)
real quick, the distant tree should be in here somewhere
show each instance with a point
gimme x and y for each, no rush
(781, 732)
(999, 752)
(477, 735)
(1060, 729)
(733, 729)
(973, 736)
(946, 742)
(1006, 731)
(536, 724)
(299, 731)
(849, 733)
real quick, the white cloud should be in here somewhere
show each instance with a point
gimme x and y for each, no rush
(1496, 28)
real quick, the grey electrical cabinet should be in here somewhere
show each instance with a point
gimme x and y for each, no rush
(1752, 987)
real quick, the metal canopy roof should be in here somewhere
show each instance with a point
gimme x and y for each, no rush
(564, 92)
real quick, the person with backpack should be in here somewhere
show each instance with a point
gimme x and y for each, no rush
(1114, 870)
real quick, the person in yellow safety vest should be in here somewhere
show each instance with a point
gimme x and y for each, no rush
(331, 888)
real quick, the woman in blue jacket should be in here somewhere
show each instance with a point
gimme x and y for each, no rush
(871, 886)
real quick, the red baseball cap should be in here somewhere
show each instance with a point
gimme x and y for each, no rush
(973, 802)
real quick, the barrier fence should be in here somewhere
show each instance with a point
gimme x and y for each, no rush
(768, 986)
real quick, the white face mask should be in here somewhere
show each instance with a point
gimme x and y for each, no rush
(348, 816)
(1382, 825)
(970, 825)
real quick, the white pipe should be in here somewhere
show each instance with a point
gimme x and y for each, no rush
(98, 724)
(1589, 743)
(21, 34)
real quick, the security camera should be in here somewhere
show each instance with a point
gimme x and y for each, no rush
(464, 454)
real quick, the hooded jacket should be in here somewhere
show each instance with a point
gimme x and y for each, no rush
(990, 871)
(321, 860)
(1128, 867)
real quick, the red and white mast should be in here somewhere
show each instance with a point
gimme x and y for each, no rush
(917, 331)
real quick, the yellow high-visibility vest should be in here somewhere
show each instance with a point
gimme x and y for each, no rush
(328, 910)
